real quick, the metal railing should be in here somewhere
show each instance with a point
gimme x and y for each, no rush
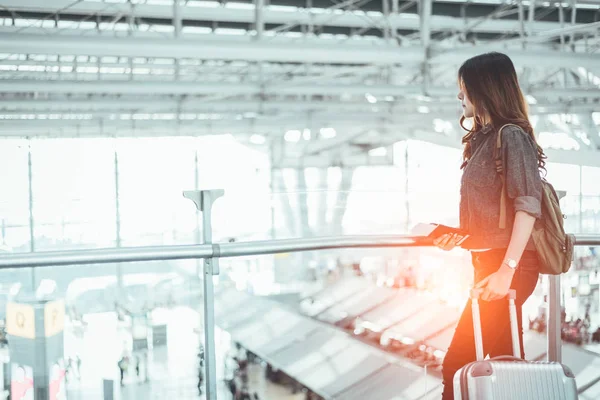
(211, 252)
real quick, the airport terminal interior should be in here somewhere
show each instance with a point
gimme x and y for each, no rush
(317, 119)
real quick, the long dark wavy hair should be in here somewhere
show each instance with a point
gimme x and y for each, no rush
(491, 84)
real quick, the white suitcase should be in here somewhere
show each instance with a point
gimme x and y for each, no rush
(510, 377)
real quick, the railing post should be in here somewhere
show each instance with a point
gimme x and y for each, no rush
(204, 200)
(554, 319)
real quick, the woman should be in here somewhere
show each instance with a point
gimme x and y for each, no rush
(503, 258)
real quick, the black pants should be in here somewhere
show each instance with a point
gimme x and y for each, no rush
(495, 322)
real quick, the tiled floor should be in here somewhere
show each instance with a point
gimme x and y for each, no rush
(172, 368)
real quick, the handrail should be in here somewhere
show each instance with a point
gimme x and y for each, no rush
(587, 240)
(236, 249)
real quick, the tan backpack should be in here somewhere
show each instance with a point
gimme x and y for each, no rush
(553, 245)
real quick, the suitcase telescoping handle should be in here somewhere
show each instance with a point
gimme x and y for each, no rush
(512, 310)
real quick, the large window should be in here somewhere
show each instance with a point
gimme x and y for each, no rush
(14, 202)
(73, 193)
(433, 174)
(153, 173)
(75, 206)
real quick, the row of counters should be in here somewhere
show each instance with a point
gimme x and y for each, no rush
(357, 340)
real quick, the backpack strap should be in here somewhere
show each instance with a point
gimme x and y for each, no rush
(500, 170)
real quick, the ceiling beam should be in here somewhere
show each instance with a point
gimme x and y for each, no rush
(47, 67)
(167, 103)
(244, 48)
(154, 87)
(209, 48)
(104, 106)
(249, 126)
(579, 46)
(273, 15)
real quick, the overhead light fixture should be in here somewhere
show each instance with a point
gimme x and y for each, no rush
(370, 98)
(378, 152)
(423, 109)
(14, 289)
(292, 136)
(257, 139)
(327, 133)
(306, 134)
(530, 99)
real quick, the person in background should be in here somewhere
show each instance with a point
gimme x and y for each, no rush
(123, 365)
(137, 366)
(78, 363)
(503, 258)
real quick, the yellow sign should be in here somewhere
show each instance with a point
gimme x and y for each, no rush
(20, 320)
(54, 317)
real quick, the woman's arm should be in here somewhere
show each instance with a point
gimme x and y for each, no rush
(496, 286)
(518, 240)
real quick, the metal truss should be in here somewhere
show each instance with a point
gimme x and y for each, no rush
(146, 68)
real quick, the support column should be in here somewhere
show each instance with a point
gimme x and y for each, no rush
(30, 188)
(426, 10)
(177, 25)
(281, 263)
(406, 188)
(279, 192)
(272, 189)
(311, 26)
(386, 15)
(119, 266)
(259, 20)
(321, 227)
(198, 233)
(305, 230)
(531, 17)
(341, 201)
(31, 220)
(561, 20)
(573, 22)
(580, 226)
(131, 18)
(287, 211)
(521, 11)
(36, 347)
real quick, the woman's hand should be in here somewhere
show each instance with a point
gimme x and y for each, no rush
(447, 241)
(496, 286)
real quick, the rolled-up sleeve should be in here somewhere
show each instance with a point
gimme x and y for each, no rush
(523, 181)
